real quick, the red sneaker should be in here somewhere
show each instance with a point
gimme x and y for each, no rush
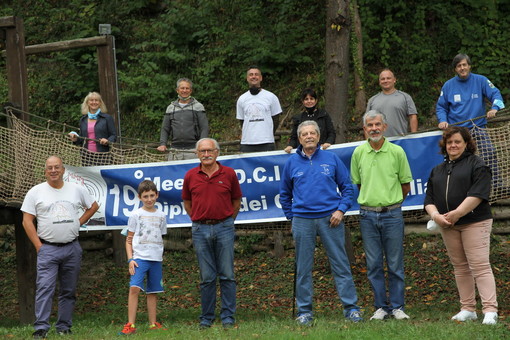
(128, 329)
(157, 325)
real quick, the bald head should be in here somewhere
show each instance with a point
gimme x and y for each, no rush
(54, 171)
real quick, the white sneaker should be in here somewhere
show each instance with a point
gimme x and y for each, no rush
(379, 314)
(464, 315)
(491, 318)
(305, 320)
(399, 314)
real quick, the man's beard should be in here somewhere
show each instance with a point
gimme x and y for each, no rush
(375, 139)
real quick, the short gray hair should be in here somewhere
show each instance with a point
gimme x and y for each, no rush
(308, 123)
(371, 115)
(187, 80)
(216, 144)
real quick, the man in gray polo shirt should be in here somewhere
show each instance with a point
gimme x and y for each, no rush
(397, 106)
(56, 206)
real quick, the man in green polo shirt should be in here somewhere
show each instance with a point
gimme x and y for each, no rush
(381, 171)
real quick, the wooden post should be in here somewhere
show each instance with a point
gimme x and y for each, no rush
(119, 248)
(108, 87)
(17, 80)
(108, 77)
(16, 63)
(279, 250)
(26, 259)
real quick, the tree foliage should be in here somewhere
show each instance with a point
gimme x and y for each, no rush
(214, 42)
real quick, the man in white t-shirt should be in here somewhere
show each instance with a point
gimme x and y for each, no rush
(57, 207)
(257, 111)
(397, 106)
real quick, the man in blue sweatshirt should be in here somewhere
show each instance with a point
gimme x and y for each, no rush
(463, 97)
(309, 197)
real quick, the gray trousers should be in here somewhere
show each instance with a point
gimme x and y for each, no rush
(180, 154)
(56, 263)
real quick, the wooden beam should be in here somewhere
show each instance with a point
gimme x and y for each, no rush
(16, 65)
(7, 22)
(66, 45)
(6, 216)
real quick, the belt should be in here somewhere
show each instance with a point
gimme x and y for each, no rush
(210, 221)
(56, 244)
(381, 209)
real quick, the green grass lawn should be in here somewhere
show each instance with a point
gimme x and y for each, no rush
(265, 298)
(180, 325)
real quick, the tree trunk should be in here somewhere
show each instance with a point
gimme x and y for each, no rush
(360, 102)
(337, 65)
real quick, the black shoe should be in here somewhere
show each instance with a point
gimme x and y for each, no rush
(64, 332)
(40, 334)
(204, 325)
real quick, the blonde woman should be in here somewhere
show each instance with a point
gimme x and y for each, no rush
(97, 129)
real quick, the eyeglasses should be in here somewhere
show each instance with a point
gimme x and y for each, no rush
(51, 168)
(207, 151)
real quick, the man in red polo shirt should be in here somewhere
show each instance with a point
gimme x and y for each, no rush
(212, 198)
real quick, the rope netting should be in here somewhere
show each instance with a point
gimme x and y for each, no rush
(24, 149)
(494, 148)
(24, 146)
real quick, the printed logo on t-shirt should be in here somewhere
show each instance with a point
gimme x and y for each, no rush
(456, 98)
(474, 95)
(62, 212)
(255, 112)
(149, 232)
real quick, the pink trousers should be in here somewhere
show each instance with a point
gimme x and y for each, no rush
(468, 248)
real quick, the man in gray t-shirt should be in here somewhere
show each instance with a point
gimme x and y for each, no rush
(397, 106)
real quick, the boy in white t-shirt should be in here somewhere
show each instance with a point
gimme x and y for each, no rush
(144, 249)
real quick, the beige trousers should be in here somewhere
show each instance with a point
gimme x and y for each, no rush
(468, 247)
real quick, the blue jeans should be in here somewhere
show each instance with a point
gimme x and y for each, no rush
(214, 246)
(383, 237)
(305, 231)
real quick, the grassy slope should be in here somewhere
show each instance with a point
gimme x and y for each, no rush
(265, 296)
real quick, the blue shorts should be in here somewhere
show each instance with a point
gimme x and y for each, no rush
(154, 271)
